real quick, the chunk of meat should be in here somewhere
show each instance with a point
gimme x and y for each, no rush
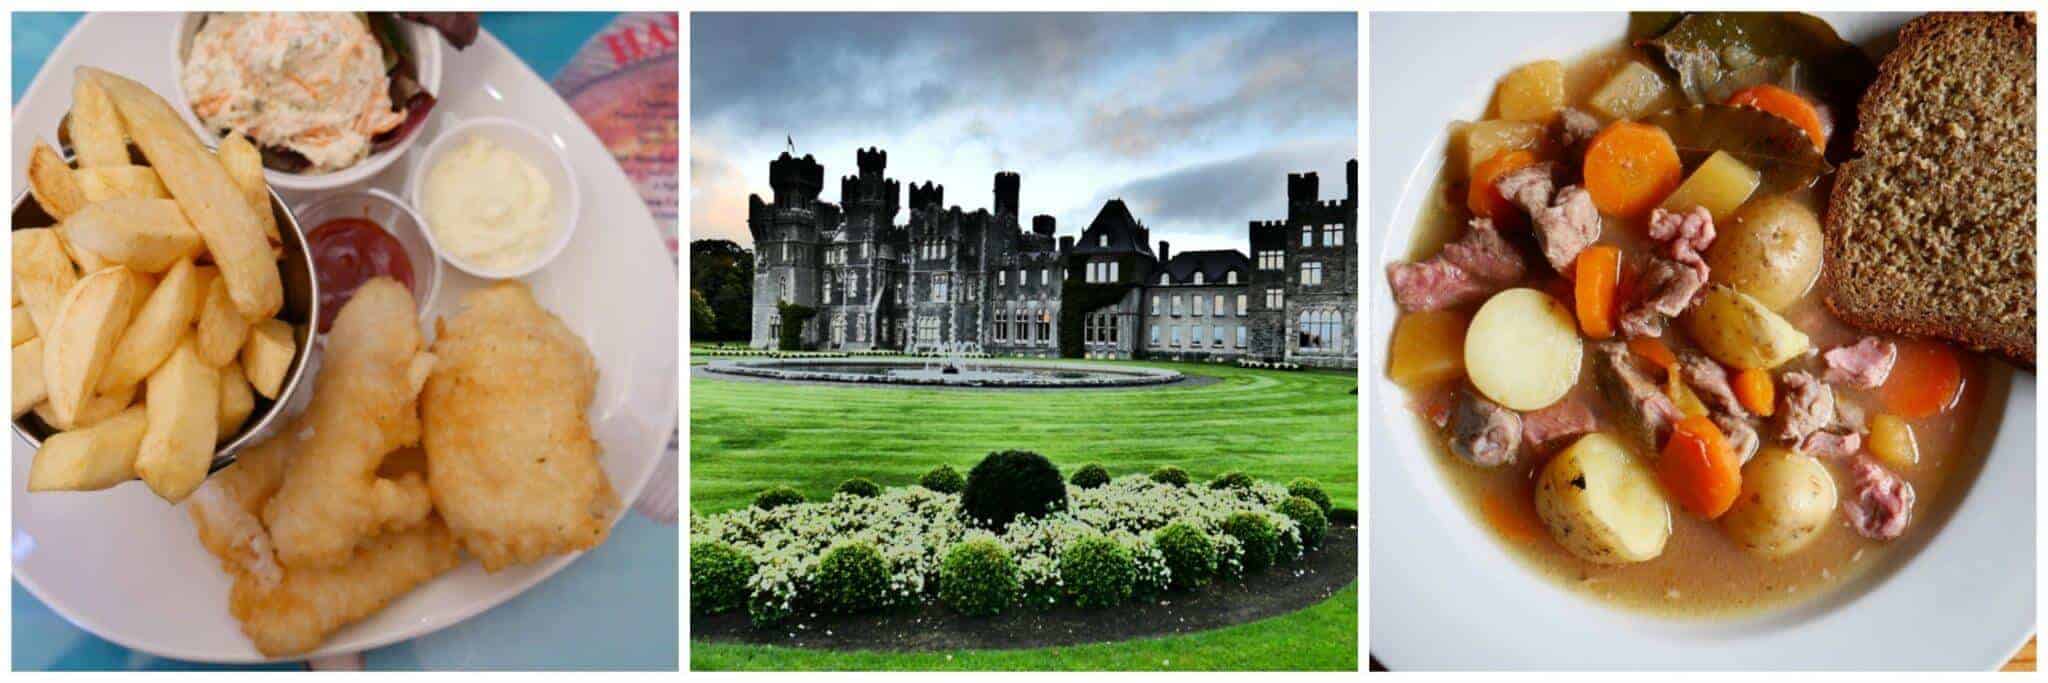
(1484, 433)
(1742, 438)
(1474, 267)
(1807, 405)
(1684, 236)
(1668, 289)
(1710, 381)
(1831, 444)
(1880, 503)
(1552, 425)
(1434, 404)
(1573, 127)
(1864, 364)
(1641, 406)
(1565, 220)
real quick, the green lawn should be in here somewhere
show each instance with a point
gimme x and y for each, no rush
(746, 436)
(1320, 638)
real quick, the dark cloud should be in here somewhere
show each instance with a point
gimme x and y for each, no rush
(1219, 198)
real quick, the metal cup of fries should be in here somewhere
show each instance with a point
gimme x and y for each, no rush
(152, 294)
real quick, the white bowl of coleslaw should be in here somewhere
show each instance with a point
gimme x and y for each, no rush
(425, 47)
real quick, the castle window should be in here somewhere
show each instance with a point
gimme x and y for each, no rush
(1333, 235)
(1155, 335)
(1311, 273)
(1102, 241)
(1272, 260)
(1112, 271)
(1321, 329)
(1003, 278)
(1195, 339)
(1216, 341)
(1017, 325)
(1308, 235)
(1201, 305)
(1176, 305)
(1220, 310)
(941, 283)
(1230, 278)
(1242, 300)
(1240, 337)
(1199, 277)
(1043, 275)
(1044, 327)
(1002, 324)
(1155, 305)
(1021, 277)
(1165, 279)
(1176, 336)
(1275, 300)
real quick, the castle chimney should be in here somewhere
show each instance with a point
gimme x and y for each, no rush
(1066, 244)
(1043, 224)
(1006, 193)
(1351, 181)
(1165, 252)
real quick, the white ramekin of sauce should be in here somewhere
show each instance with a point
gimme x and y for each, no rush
(496, 196)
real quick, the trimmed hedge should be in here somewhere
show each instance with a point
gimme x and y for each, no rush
(1260, 540)
(859, 486)
(978, 577)
(1190, 554)
(1232, 480)
(1312, 490)
(853, 577)
(1170, 476)
(1309, 517)
(1010, 483)
(1098, 572)
(718, 577)
(778, 497)
(1090, 476)
(943, 479)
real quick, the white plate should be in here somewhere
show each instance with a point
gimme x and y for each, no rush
(127, 567)
(1445, 595)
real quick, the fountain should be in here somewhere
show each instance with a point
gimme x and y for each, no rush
(949, 366)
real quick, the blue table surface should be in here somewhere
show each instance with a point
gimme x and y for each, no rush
(615, 608)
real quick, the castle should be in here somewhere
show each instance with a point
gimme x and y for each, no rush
(947, 277)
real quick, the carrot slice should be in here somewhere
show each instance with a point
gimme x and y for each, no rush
(1653, 349)
(1599, 271)
(1754, 390)
(1927, 379)
(1786, 105)
(1486, 201)
(1699, 469)
(1630, 167)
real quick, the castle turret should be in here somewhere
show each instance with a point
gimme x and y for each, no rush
(871, 161)
(1006, 193)
(1043, 224)
(870, 193)
(797, 182)
(1351, 181)
(1302, 188)
(927, 196)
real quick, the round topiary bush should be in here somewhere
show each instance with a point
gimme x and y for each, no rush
(1190, 555)
(1010, 483)
(852, 577)
(943, 479)
(1090, 476)
(1261, 541)
(1170, 476)
(861, 487)
(718, 577)
(778, 497)
(1312, 490)
(1098, 572)
(1308, 518)
(978, 577)
(1232, 480)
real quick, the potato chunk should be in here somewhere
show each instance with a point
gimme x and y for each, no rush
(1634, 91)
(267, 355)
(221, 328)
(1601, 504)
(29, 388)
(90, 459)
(1739, 331)
(237, 401)
(121, 182)
(1532, 93)
(42, 273)
(1428, 348)
(183, 401)
(149, 235)
(1786, 501)
(1485, 139)
(1721, 183)
(163, 320)
(78, 343)
(1523, 349)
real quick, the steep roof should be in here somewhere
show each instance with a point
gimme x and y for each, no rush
(1214, 265)
(1124, 231)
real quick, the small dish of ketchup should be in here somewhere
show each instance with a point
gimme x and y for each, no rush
(355, 236)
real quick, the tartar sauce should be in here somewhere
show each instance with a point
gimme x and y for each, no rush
(488, 206)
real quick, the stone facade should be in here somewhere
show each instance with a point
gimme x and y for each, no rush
(947, 277)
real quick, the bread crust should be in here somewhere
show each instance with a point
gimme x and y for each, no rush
(1916, 39)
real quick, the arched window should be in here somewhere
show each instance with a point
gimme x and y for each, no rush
(1230, 277)
(1200, 278)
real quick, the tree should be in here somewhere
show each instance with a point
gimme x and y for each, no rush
(724, 272)
(703, 322)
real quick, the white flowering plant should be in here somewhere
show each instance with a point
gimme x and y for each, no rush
(913, 528)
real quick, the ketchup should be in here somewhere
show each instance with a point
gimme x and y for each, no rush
(347, 252)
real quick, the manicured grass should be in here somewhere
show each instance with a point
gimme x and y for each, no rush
(746, 436)
(1321, 638)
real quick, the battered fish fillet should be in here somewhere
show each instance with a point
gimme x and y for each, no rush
(225, 510)
(510, 458)
(309, 604)
(363, 408)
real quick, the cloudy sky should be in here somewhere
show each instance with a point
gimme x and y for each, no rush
(1193, 119)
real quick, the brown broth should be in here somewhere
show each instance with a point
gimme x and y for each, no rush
(1701, 571)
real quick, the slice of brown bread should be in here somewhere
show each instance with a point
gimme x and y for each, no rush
(1930, 229)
